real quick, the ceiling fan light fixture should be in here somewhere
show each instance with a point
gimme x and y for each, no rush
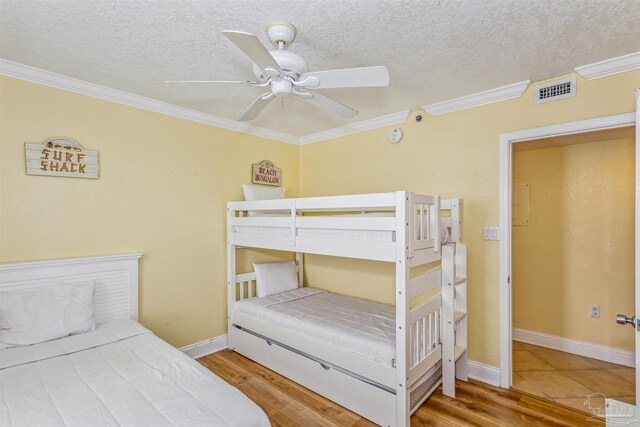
(281, 87)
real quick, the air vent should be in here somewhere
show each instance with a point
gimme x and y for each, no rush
(555, 90)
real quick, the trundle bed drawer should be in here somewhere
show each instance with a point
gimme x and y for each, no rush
(368, 400)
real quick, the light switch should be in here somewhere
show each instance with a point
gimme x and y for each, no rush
(491, 233)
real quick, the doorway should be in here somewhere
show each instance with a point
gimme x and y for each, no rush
(507, 142)
(573, 267)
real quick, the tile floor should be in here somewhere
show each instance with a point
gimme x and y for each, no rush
(569, 379)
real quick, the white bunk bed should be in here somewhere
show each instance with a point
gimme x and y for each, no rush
(429, 333)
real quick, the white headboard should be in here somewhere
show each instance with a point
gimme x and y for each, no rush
(115, 278)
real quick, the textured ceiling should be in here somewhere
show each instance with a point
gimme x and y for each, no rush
(435, 50)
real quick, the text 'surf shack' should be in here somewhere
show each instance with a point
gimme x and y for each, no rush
(61, 157)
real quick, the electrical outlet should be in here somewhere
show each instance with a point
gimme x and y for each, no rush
(594, 311)
(491, 233)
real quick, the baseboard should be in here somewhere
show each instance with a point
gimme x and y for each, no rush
(485, 373)
(205, 347)
(581, 348)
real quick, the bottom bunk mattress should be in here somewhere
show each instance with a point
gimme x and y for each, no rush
(119, 374)
(364, 328)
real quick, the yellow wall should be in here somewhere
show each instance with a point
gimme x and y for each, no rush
(454, 155)
(162, 191)
(578, 248)
(165, 180)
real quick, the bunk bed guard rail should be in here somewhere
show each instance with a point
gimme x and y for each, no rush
(269, 216)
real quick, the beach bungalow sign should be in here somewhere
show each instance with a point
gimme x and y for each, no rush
(266, 173)
(61, 157)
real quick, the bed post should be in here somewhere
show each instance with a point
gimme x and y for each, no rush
(404, 227)
(448, 327)
(455, 220)
(231, 275)
(300, 263)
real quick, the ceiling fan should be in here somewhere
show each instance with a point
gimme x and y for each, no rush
(285, 73)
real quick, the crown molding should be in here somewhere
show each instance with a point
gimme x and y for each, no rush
(375, 123)
(59, 81)
(610, 67)
(476, 99)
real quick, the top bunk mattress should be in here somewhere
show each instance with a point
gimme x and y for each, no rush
(364, 328)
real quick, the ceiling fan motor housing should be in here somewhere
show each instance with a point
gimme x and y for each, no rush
(293, 65)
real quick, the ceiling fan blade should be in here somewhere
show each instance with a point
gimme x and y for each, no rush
(209, 81)
(348, 77)
(329, 105)
(253, 48)
(257, 106)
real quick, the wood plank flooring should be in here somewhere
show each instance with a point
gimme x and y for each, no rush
(476, 404)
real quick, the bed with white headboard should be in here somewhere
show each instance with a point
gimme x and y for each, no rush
(115, 278)
(116, 374)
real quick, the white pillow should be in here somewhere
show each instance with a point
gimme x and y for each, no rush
(275, 277)
(42, 314)
(261, 192)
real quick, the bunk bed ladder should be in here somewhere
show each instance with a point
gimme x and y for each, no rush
(454, 317)
(460, 311)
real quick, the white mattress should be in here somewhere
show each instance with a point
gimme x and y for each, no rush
(329, 233)
(349, 324)
(119, 374)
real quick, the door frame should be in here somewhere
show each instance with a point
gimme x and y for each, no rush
(506, 157)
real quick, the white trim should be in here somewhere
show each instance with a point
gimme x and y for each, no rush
(490, 96)
(35, 75)
(581, 348)
(59, 81)
(203, 348)
(610, 67)
(485, 373)
(67, 261)
(375, 123)
(506, 142)
(637, 238)
(582, 126)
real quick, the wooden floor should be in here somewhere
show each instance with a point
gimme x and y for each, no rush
(289, 404)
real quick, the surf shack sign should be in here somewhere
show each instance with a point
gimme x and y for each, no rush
(61, 157)
(266, 173)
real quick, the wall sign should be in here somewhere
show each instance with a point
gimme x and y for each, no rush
(61, 157)
(266, 173)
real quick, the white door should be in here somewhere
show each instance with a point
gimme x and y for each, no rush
(619, 413)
